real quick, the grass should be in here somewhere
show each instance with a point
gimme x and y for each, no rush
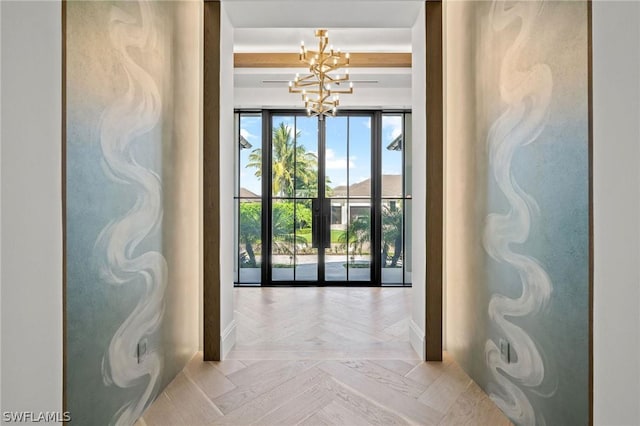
(305, 233)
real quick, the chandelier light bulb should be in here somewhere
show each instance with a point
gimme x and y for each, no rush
(315, 86)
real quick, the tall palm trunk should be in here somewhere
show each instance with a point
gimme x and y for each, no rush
(252, 255)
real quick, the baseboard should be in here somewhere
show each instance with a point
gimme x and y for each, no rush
(228, 339)
(416, 337)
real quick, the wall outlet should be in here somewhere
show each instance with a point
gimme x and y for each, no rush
(505, 351)
(142, 350)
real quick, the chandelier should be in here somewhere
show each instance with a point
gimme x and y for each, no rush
(321, 89)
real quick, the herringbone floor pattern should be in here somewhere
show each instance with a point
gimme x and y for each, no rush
(322, 356)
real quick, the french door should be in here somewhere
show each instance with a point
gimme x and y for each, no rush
(320, 202)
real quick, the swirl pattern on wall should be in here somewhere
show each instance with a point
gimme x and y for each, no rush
(127, 118)
(527, 95)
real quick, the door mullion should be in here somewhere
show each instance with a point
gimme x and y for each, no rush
(266, 199)
(376, 202)
(321, 199)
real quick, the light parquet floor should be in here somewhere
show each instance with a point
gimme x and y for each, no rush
(322, 356)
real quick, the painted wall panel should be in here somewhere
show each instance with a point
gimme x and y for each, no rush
(616, 196)
(133, 120)
(31, 332)
(517, 204)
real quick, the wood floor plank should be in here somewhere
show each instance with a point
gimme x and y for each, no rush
(318, 419)
(299, 408)
(426, 372)
(228, 366)
(267, 370)
(193, 406)
(258, 406)
(474, 408)
(162, 413)
(249, 390)
(387, 378)
(367, 409)
(322, 356)
(446, 389)
(335, 414)
(381, 394)
(398, 366)
(212, 382)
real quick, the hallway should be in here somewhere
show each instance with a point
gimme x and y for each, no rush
(318, 356)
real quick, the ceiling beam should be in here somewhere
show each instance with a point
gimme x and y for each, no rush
(292, 60)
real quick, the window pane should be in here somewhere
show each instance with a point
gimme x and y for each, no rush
(392, 241)
(336, 156)
(250, 152)
(359, 157)
(283, 240)
(392, 146)
(408, 267)
(359, 238)
(336, 255)
(408, 157)
(283, 156)
(306, 260)
(306, 179)
(250, 240)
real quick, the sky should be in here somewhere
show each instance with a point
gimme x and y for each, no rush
(348, 143)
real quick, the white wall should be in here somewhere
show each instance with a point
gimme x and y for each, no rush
(245, 97)
(31, 262)
(227, 323)
(419, 133)
(616, 127)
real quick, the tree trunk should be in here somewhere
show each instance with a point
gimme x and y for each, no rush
(397, 251)
(252, 255)
(385, 255)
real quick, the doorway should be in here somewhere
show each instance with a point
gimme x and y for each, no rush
(336, 206)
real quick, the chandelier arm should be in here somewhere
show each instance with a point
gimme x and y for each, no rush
(318, 98)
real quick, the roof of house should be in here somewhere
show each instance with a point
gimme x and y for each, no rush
(391, 187)
(245, 193)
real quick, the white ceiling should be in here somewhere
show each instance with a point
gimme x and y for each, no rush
(348, 39)
(354, 26)
(322, 13)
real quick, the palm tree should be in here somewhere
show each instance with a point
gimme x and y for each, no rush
(292, 166)
(284, 223)
(358, 233)
(250, 229)
(391, 234)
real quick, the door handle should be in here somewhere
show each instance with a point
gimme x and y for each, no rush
(315, 223)
(327, 232)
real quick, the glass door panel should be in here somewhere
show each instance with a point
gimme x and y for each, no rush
(359, 237)
(306, 255)
(294, 186)
(348, 170)
(334, 209)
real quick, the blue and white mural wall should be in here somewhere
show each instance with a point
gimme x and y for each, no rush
(133, 72)
(517, 228)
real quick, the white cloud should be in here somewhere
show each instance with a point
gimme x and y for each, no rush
(248, 136)
(333, 162)
(393, 125)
